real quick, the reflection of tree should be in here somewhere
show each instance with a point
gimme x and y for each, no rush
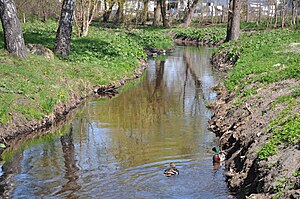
(198, 85)
(8, 179)
(70, 165)
(149, 118)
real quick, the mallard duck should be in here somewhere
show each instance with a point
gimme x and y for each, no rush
(219, 156)
(171, 171)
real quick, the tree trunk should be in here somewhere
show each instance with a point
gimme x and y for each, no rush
(247, 11)
(157, 12)
(137, 13)
(233, 26)
(145, 12)
(119, 14)
(13, 36)
(64, 31)
(283, 13)
(163, 7)
(84, 15)
(212, 13)
(107, 13)
(294, 11)
(189, 14)
(223, 15)
(259, 13)
(275, 15)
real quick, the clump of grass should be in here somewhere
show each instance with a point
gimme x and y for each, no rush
(286, 131)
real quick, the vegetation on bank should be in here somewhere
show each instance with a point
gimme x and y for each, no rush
(30, 89)
(262, 58)
(209, 34)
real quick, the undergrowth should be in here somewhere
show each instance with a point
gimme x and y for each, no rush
(211, 34)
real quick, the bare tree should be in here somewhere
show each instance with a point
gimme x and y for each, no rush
(189, 14)
(163, 6)
(108, 5)
(233, 26)
(41, 9)
(13, 36)
(84, 14)
(157, 11)
(283, 12)
(64, 31)
(275, 14)
(145, 12)
(119, 18)
(294, 11)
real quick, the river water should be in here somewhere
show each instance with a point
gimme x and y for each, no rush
(119, 147)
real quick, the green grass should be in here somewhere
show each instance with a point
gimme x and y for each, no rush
(260, 55)
(30, 89)
(285, 132)
(211, 34)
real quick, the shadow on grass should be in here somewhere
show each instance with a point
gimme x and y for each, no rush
(36, 38)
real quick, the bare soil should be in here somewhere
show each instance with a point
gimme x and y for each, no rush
(243, 130)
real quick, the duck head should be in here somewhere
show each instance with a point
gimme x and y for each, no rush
(216, 149)
(172, 165)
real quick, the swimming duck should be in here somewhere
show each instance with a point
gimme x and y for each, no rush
(219, 156)
(171, 171)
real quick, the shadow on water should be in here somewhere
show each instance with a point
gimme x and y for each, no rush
(120, 147)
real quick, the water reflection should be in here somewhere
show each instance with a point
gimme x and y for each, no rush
(120, 147)
(71, 170)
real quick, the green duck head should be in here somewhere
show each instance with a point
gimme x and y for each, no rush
(216, 149)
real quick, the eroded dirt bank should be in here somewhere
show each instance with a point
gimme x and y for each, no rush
(243, 130)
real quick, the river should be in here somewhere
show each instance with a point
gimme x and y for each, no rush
(119, 147)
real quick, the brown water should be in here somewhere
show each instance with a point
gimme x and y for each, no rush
(119, 147)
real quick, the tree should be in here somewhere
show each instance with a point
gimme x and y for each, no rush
(157, 11)
(144, 16)
(233, 26)
(40, 9)
(163, 6)
(108, 5)
(84, 15)
(64, 31)
(119, 17)
(283, 12)
(189, 13)
(13, 36)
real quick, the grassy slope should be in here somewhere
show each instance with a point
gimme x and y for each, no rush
(264, 59)
(30, 89)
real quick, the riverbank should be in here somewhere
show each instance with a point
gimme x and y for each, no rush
(256, 116)
(39, 91)
(205, 36)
